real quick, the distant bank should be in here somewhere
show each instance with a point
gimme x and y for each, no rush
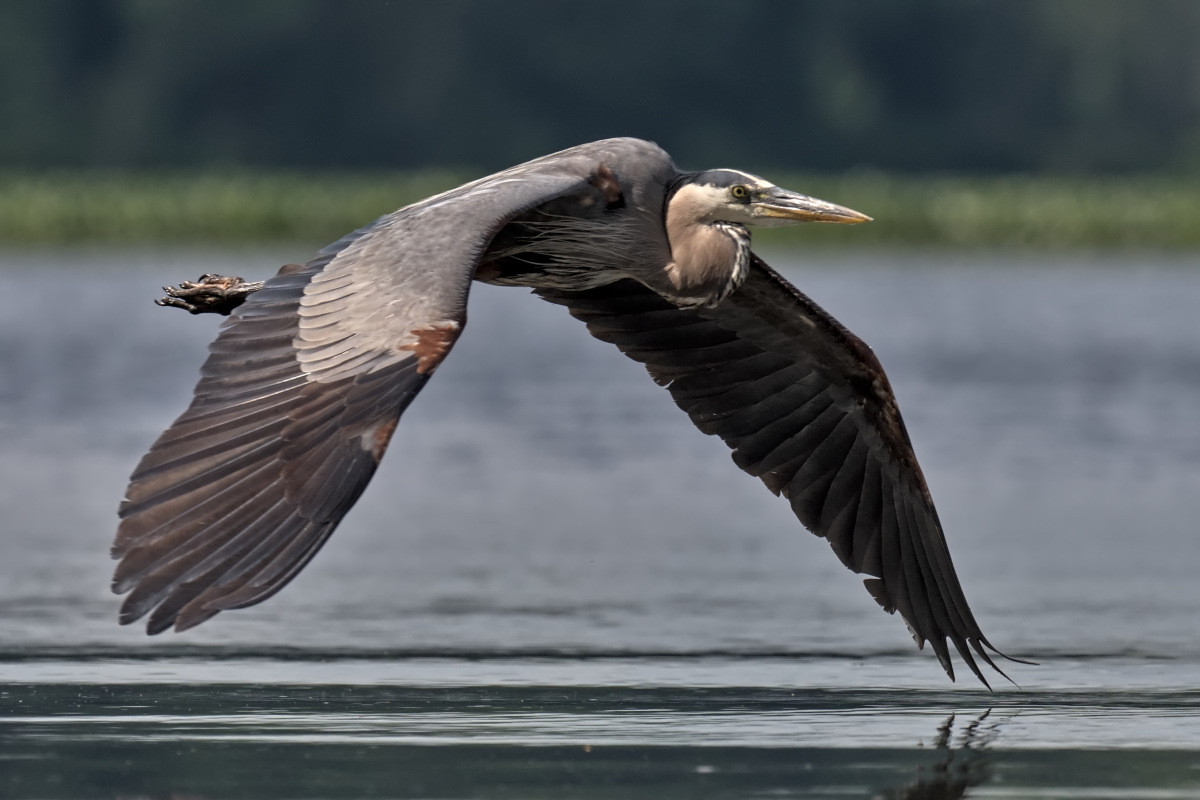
(1057, 212)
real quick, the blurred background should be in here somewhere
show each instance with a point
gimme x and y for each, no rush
(546, 517)
(1073, 122)
(934, 85)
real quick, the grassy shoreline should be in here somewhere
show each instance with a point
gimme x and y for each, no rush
(217, 208)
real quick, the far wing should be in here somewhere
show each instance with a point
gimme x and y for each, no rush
(299, 397)
(806, 407)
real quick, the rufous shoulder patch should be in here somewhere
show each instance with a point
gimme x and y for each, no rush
(604, 180)
(431, 345)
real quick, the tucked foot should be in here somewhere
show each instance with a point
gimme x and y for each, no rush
(211, 294)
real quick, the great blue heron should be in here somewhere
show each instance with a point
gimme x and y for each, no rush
(306, 382)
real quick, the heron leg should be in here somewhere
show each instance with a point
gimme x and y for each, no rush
(211, 294)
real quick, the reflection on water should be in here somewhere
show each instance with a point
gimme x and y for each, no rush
(556, 587)
(959, 768)
(351, 741)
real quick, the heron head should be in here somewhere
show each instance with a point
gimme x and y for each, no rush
(729, 195)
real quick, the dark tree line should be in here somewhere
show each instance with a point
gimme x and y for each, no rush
(962, 85)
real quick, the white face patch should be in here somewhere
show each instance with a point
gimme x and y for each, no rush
(741, 198)
(709, 203)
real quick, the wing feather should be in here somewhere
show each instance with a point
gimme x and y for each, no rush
(839, 517)
(805, 406)
(299, 397)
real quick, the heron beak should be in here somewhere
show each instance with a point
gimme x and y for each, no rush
(780, 204)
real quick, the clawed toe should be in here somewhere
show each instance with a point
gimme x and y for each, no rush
(211, 294)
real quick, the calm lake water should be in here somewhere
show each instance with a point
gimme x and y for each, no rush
(556, 587)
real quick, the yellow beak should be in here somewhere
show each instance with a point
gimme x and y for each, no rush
(781, 204)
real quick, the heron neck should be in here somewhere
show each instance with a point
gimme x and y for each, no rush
(708, 260)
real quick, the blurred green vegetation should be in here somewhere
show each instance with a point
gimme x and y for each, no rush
(1017, 211)
(1009, 211)
(216, 121)
(118, 207)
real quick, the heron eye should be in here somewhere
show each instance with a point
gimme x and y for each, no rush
(740, 192)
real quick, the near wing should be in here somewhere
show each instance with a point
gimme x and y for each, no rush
(299, 397)
(807, 408)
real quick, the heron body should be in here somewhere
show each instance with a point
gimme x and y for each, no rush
(307, 380)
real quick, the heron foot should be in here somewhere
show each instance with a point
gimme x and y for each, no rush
(211, 294)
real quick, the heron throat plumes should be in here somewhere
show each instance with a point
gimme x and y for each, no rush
(710, 258)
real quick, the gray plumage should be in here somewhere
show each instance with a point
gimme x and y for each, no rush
(307, 380)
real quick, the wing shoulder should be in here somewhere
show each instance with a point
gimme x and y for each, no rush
(417, 263)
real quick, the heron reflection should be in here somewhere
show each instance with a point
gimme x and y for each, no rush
(959, 768)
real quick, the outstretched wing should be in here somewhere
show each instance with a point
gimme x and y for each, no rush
(299, 397)
(806, 407)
